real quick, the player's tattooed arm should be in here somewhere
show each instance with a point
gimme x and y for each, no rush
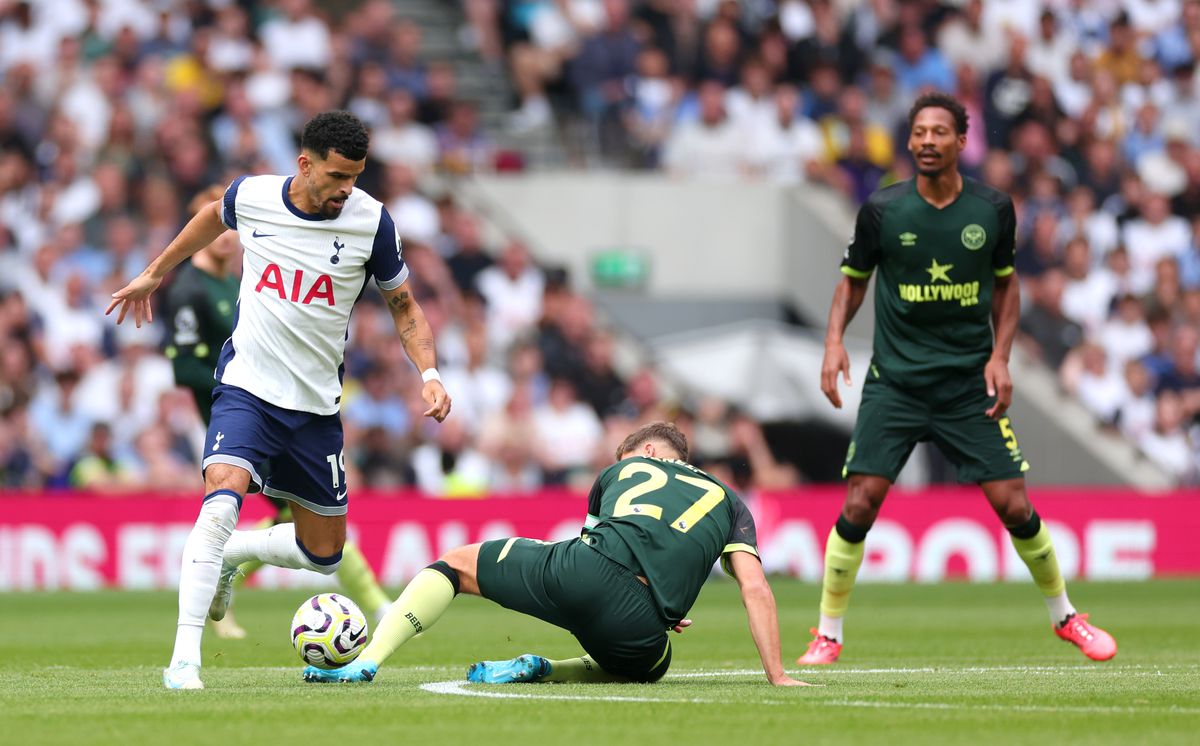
(417, 337)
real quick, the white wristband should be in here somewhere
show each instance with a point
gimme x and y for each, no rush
(431, 374)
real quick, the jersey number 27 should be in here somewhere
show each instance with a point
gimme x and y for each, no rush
(713, 495)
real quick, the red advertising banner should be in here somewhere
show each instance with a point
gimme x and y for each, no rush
(79, 541)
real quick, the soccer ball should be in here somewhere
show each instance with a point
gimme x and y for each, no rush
(329, 631)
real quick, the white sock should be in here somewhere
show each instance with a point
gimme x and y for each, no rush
(275, 546)
(1059, 607)
(199, 571)
(831, 627)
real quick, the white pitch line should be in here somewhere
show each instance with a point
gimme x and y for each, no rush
(459, 688)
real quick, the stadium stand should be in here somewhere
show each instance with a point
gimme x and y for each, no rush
(115, 115)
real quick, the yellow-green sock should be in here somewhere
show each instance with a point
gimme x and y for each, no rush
(419, 606)
(842, 560)
(359, 581)
(582, 669)
(1037, 552)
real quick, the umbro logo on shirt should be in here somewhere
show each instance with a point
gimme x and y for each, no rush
(256, 234)
(908, 239)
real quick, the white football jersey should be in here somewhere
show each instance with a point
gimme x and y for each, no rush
(301, 275)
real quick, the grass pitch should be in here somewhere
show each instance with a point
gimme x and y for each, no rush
(950, 663)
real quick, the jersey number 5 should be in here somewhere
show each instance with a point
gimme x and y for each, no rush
(713, 495)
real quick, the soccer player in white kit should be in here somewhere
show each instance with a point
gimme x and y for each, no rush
(311, 242)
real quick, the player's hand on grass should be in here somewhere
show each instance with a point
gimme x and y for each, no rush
(999, 385)
(836, 361)
(683, 624)
(438, 400)
(135, 296)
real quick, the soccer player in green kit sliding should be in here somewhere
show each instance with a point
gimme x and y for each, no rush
(947, 302)
(655, 527)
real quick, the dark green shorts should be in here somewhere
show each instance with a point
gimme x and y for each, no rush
(892, 420)
(572, 586)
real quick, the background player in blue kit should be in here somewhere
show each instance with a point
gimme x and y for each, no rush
(310, 242)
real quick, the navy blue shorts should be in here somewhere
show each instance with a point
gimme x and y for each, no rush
(303, 450)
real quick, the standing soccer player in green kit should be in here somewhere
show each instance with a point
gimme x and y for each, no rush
(200, 305)
(947, 302)
(655, 527)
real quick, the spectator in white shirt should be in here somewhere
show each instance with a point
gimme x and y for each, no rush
(1127, 336)
(402, 139)
(709, 148)
(481, 389)
(1098, 385)
(653, 96)
(1148, 17)
(513, 468)
(1154, 235)
(1168, 444)
(415, 215)
(788, 147)
(297, 39)
(1136, 417)
(1088, 293)
(751, 105)
(513, 290)
(1097, 227)
(69, 319)
(1049, 52)
(1073, 91)
(568, 433)
(965, 40)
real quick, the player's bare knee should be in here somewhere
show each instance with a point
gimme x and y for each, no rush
(1010, 501)
(464, 561)
(227, 477)
(1015, 512)
(863, 500)
(859, 512)
(323, 535)
(859, 509)
(320, 559)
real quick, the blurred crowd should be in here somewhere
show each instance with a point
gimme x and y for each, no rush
(115, 115)
(1086, 112)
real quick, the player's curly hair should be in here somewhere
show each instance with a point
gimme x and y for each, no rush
(661, 431)
(336, 130)
(937, 100)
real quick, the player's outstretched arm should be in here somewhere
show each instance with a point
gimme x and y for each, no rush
(760, 610)
(847, 299)
(200, 231)
(417, 337)
(1006, 312)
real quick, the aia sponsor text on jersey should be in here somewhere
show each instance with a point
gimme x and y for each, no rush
(297, 291)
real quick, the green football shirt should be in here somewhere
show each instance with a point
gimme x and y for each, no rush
(200, 309)
(668, 522)
(937, 270)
